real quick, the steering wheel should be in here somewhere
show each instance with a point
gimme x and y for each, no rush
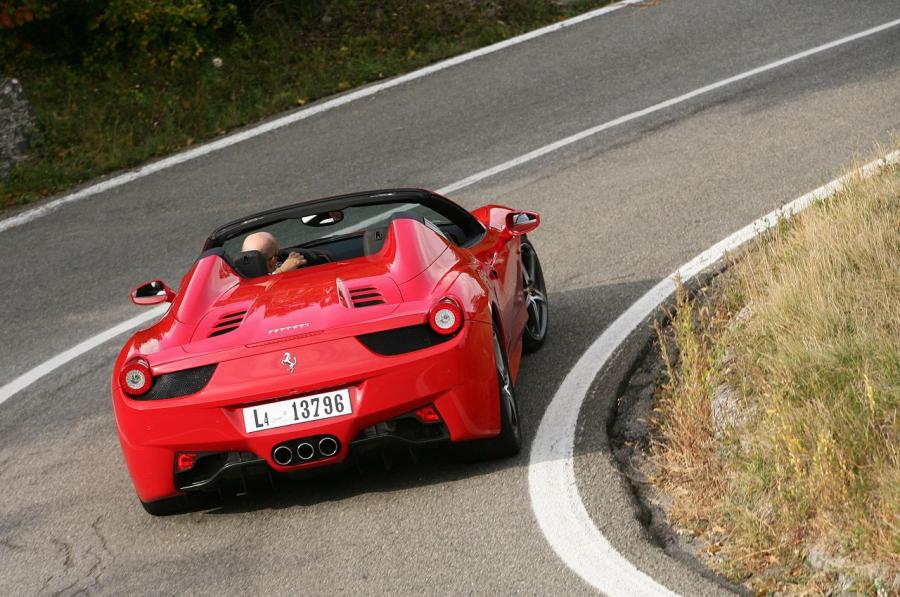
(312, 257)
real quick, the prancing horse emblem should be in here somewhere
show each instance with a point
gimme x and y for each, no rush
(289, 360)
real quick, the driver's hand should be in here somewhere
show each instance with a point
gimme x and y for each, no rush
(293, 261)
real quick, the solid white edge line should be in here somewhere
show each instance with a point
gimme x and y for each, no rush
(48, 366)
(552, 485)
(36, 373)
(542, 151)
(234, 138)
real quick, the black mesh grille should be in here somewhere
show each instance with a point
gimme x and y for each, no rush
(401, 340)
(180, 383)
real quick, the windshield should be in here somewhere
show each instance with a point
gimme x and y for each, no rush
(330, 227)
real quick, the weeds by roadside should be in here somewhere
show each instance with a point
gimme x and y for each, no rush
(780, 434)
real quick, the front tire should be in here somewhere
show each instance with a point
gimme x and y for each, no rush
(535, 299)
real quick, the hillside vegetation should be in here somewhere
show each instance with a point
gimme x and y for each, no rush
(116, 82)
(779, 425)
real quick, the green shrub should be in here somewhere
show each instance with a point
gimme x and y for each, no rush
(144, 33)
(166, 32)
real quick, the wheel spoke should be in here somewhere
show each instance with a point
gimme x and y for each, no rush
(531, 261)
(537, 296)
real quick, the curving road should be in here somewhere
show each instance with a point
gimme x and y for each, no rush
(621, 209)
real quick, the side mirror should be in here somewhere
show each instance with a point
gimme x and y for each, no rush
(521, 222)
(152, 293)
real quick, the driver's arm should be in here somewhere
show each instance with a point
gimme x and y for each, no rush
(293, 261)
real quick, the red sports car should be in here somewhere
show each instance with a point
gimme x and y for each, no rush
(406, 324)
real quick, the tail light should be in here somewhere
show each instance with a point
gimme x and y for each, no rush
(445, 317)
(135, 378)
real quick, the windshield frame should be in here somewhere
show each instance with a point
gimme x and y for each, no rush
(470, 226)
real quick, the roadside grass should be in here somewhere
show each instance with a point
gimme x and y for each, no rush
(778, 426)
(92, 121)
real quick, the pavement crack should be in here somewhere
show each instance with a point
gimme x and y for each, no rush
(95, 526)
(66, 550)
(93, 573)
(8, 544)
(99, 566)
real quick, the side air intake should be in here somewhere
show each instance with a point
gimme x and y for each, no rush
(366, 297)
(228, 323)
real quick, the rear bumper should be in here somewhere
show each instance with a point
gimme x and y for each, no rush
(238, 469)
(458, 377)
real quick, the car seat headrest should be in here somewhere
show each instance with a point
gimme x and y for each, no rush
(251, 264)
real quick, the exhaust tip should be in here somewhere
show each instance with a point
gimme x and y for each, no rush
(328, 446)
(282, 455)
(305, 451)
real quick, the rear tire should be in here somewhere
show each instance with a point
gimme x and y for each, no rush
(509, 441)
(536, 301)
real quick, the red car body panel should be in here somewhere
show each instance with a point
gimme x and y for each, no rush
(310, 313)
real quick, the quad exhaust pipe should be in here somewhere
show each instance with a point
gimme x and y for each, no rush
(282, 455)
(328, 446)
(305, 451)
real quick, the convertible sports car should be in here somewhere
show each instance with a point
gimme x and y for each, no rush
(406, 325)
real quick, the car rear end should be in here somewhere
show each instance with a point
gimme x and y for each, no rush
(305, 403)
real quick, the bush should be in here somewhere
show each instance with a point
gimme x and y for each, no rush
(144, 33)
(165, 32)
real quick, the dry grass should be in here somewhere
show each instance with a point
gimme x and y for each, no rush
(800, 492)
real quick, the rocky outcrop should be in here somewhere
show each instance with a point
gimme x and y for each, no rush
(15, 120)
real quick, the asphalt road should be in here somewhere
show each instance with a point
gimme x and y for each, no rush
(620, 210)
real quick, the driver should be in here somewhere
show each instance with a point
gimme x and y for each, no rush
(266, 244)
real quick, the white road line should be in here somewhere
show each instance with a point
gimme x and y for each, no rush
(46, 367)
(31, 376)
(229, 140)
(542, 151)
(554, 493)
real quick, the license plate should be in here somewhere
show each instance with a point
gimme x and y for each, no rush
(297, 410)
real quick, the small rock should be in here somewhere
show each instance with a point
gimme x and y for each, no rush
(16, 119)
(741, 316)
(724, 408)
(819, 558)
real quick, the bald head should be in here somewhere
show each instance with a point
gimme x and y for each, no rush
(265, 243)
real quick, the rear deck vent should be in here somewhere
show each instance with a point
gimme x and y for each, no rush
(228, 323)
(366, 296)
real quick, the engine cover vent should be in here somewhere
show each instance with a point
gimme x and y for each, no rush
(366, 296)
(228, 323)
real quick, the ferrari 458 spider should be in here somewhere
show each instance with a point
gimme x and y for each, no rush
(406, 325)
